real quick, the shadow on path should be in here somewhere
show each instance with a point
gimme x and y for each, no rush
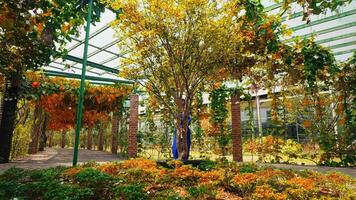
(52, 157)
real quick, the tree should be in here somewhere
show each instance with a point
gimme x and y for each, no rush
(29, 31)
(253, 36)
(175, 46)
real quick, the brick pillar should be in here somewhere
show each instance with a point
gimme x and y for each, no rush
(236, 127)
(133, 126)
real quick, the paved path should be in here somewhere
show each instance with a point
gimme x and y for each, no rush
(52, 157)
(323, 169)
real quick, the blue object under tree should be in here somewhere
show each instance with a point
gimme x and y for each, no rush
(174, 144)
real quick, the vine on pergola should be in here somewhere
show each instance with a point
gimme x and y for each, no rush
(58, 97)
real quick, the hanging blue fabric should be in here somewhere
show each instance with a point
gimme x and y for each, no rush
(174, 144)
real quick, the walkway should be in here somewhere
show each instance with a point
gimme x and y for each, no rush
(323, 169)
(52, 157)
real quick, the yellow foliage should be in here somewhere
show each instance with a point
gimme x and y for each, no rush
(109, 168)
(245, 179)
(306, 183)
(265, 192)
(139, 163)
(212, 177)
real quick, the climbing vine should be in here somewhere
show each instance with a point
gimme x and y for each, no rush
(219, 113)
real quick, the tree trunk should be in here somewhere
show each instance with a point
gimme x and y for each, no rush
(132, 151)
(114, 132)
(101, 133)
(2, 83)
(182, 127)
(36, 129)
(182, 138)
(50, 140)
(90, 138)
(43, 136)
(63, 139)
(8, 117)
(236, 127)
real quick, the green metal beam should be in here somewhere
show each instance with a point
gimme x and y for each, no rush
(346, 44)
(92, 64)
(273, 7)
(339, 37)
(77, 76)
(344, 52)
(292, 16)
(100, 49)
(325, 31)
(91, 36)
(102, 83)
(79, 117)
(324, 20)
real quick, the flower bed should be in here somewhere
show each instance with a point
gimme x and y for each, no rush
(144, 179)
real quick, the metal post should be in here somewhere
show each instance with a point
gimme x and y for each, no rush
(259, 124)
(82, 82)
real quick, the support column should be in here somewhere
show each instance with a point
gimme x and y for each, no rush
(79, 119)
(133, 128)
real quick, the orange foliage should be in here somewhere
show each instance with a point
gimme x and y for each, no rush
(185, 172)
(211, 177)
(109, 168)
(59, 96)
(139, 163)
(72, 171)
(245, 179)
(306, 183)
(267, 193)
(337, 178)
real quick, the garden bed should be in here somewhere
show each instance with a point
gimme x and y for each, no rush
(145, 179)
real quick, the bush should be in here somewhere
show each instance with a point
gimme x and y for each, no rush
(206, 165)
(100, 183)
(131, 192)
(201, 192)
(126, 181)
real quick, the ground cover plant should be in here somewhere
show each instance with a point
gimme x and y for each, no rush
(144, 179)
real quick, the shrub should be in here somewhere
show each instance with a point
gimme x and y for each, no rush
(202, 192)
(131, 192)
(227, 181)
(100, 183)
(265, 192)
(9, 182)
(206, 165)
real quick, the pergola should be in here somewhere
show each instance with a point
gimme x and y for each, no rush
(94, 55)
